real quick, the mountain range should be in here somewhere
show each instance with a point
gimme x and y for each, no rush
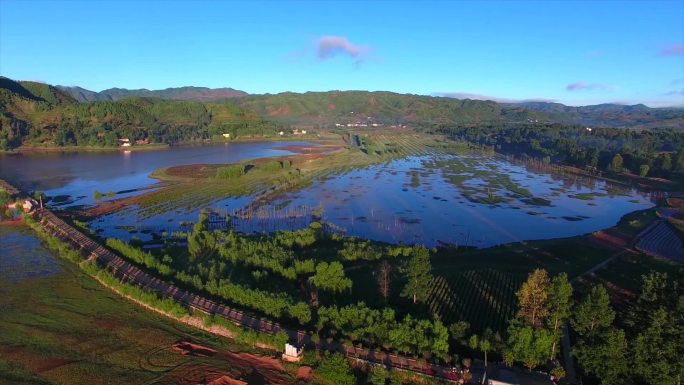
(32, 112)
(201, 94)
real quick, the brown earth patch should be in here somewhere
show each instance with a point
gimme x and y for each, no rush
(225, 380)
(677, 203)
(258, 362)
(193, 171)
(281, 111)
(190, 349)
(198, 374)
(411, 117)
(108, 207)
(304, 373)
(106, 324)
(610, 239)
(331, 106)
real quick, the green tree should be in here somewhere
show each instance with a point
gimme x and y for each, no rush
(643, 170)
(560, 295)
(5, 198)
(39, 196)
(335, 368)
(440, 340)
(656, 323)
(533, 298)
(378, 375)
(593, 314)
(666, 162)
(418, 275)
(529, 345)
(330, 277)
(616, 163)
(458, 330)
(474, 342)
(679, 161)
(605, 357)
(486, 343)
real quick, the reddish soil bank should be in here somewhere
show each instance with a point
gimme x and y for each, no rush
(187, 348)
(611, 239)
(237, 365)
(108, 207)
(225, 380)
(303, 373)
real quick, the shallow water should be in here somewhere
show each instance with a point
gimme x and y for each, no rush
(386, 203)
(22, 256)
(79, 174)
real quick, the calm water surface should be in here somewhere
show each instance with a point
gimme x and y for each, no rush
(80, 174)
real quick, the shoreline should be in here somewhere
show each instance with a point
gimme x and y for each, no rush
(159, 146)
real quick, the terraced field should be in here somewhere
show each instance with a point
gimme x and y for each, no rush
(661, 240)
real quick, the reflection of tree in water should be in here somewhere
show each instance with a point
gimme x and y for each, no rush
(614, 190)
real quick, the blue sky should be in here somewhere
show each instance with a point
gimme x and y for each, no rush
(577, 53)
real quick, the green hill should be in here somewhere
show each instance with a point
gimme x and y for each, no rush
(179, 93)
(39, 114)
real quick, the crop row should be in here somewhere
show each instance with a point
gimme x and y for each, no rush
(483, 298)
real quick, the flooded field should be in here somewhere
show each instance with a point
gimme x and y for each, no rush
(22, 256)
(469, 200)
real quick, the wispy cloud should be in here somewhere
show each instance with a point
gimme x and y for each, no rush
(328, 47)
(677, 81)
(673, 93)
(466, 95)
(673, 50)
(583, 86)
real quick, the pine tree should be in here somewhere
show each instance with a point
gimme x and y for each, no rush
(418, 275)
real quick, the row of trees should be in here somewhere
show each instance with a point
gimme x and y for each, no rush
(660, 150)
(643, 344)
(381, 329)
(658, 164)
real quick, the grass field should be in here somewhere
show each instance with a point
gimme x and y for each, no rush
(67, 329)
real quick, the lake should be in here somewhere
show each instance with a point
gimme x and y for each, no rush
(79, 174)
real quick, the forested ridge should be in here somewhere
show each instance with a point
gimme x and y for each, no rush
(38, 114)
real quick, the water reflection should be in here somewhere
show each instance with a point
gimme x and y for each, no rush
(424, 200)
(79, 174)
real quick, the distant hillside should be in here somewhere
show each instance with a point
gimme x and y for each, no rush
(39, 114)
(36, 113)
(388, 108)
(202, 94)
(610, 115)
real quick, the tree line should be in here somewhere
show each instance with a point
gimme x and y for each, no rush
(657, 152)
